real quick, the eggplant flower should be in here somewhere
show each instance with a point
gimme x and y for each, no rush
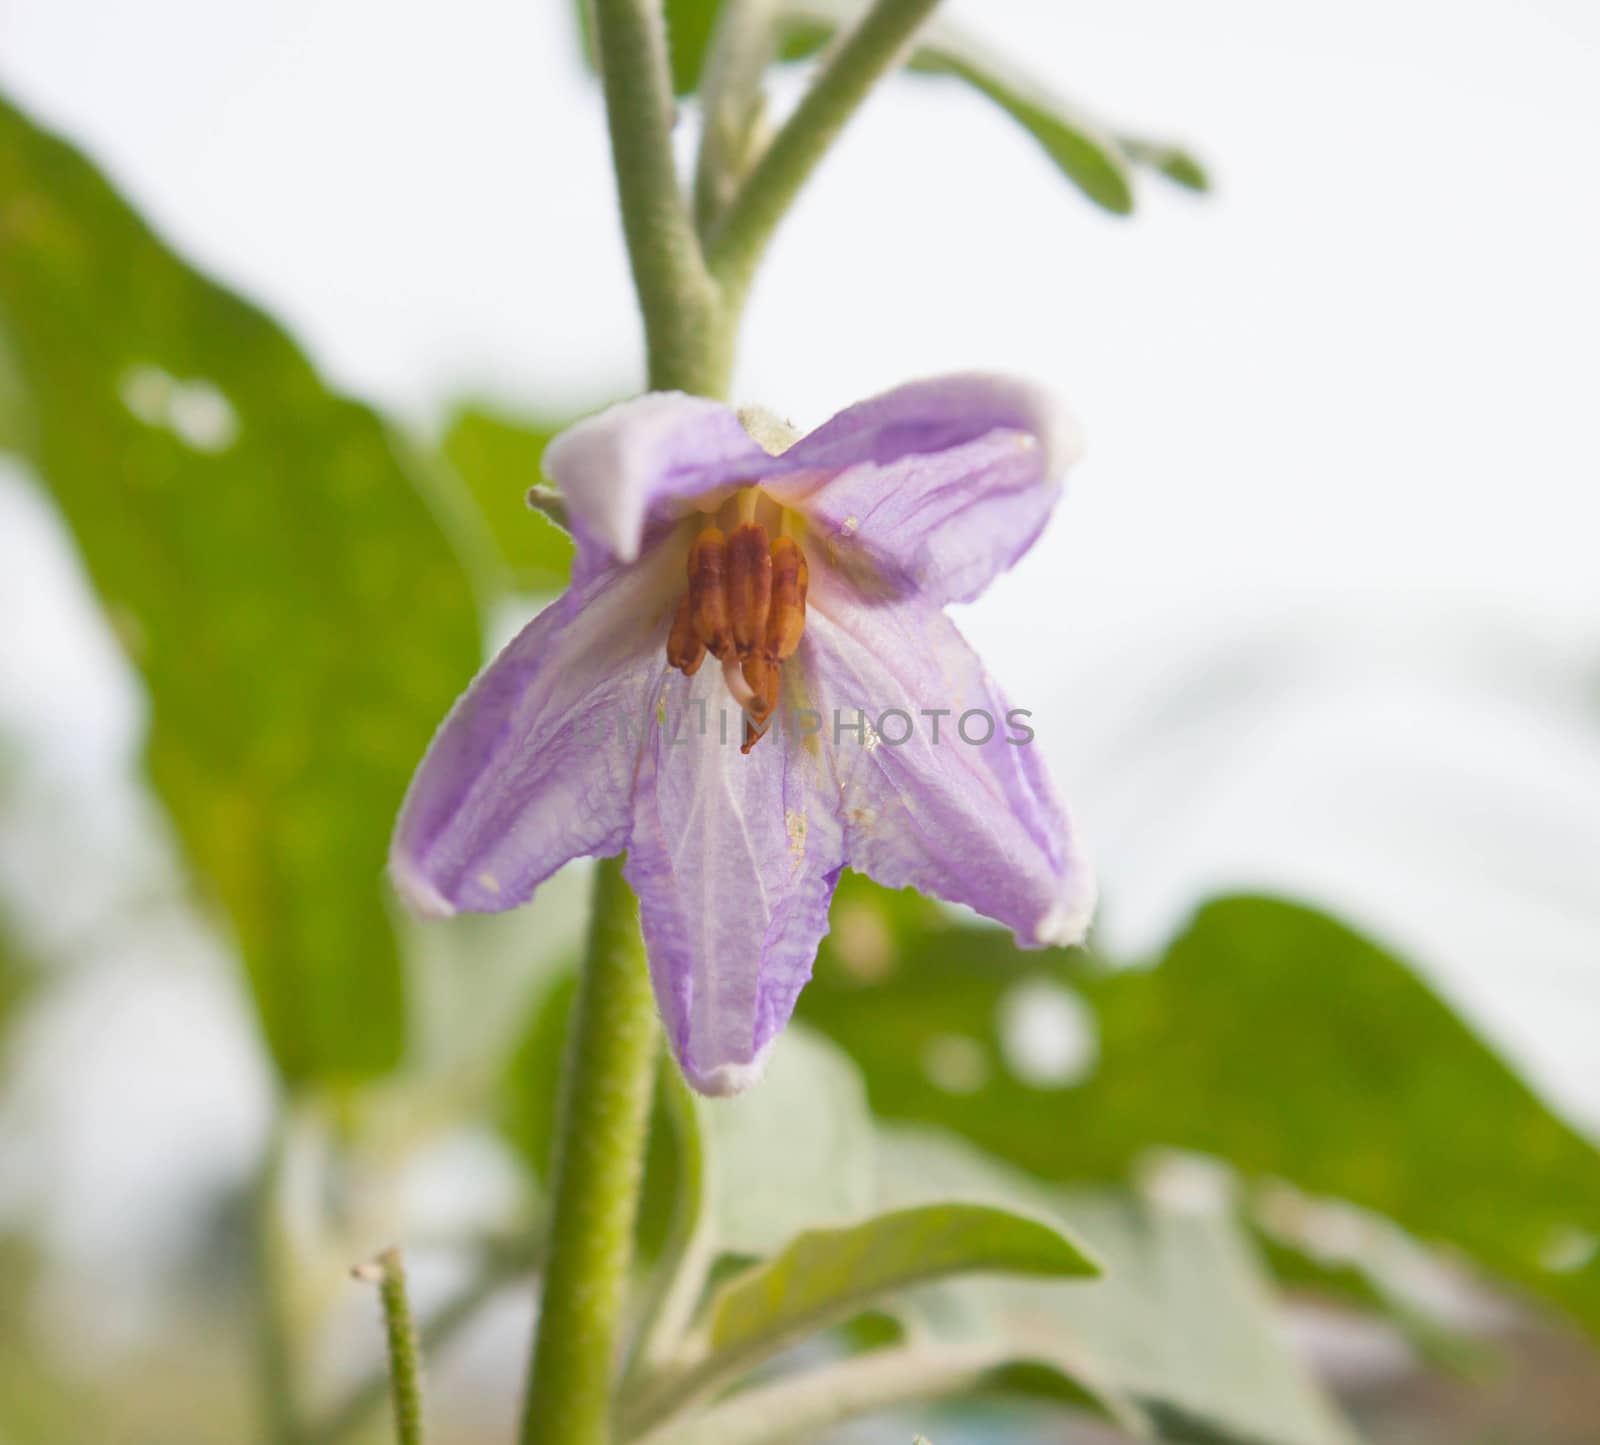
(751, 684)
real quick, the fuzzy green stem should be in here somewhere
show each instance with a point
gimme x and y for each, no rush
(842, 83)
(601, 1135)
(400, 1336)
(688, 337)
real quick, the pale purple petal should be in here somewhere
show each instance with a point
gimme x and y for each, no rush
(535, 763)
(971, 822)
(734, 858)
(932, 489)
(630, 470)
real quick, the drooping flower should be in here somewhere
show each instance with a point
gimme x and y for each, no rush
(751, 684)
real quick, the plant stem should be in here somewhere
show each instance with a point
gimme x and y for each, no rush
(496, 1273)
(271, 1258)
(687, 336)
(600, 1144)
(842, 83)
(690, 322)
(603, 1124)
(405, 1355)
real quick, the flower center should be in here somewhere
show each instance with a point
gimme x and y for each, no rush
(746, 606)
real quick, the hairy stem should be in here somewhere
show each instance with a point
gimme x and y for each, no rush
(400, 1337)
(435, 1334)
(842, 83)
(600, 1144)
(687, 336)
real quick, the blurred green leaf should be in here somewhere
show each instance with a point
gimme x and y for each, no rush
(690, 24)
(1085, 155)
(1384, 1287)
(1180, 1329)
(499, 458)
(262, 551)
(797, 1149)
(527, 1098)
(1270, 1036)
(1093, 157)
(1176, 164)
(743, 1175)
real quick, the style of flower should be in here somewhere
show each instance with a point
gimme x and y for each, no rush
(799, 593)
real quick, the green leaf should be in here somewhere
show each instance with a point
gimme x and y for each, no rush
(1270, 1036)
(824, 1276)
(1093, 157)
(1176, 164)
(797, 1148)
(262, 550)
(932, 1209)
(690, 24)
(1180, 1329)
(1087, 156)
(499, 459)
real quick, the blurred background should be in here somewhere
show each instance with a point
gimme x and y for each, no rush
(1320, 618)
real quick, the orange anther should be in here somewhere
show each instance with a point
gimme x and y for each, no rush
(761, 676)
(752, 735)
(787, 618)
(749, 586)
(708, 591)
(685, 650)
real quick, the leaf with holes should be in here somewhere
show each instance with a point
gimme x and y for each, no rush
(263, 551)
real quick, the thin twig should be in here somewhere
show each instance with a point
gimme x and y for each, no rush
(405, 1353)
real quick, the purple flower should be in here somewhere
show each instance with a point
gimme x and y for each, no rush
(750, 684)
